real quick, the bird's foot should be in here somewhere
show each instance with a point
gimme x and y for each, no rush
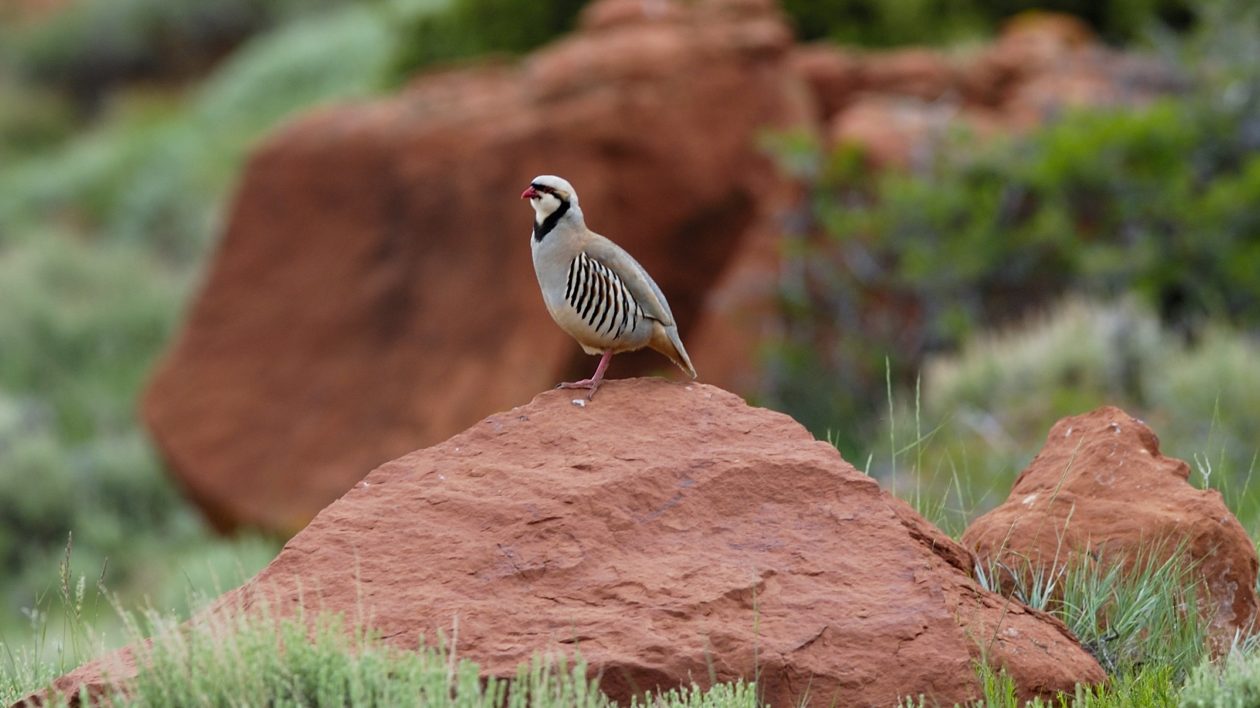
(592, 384)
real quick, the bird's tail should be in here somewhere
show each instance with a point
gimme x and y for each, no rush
(666, 341)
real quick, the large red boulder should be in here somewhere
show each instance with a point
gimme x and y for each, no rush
(673, 533)
(1100, 485)
(374, 290)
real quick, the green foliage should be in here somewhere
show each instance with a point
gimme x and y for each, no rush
(1135, 616)
(1162, 202)
(156, 173)
(873, 22)
(334, 55)
(997, 687)
(474, 27)
(893, 22)
(986, 409)
(30, 120)
(1065, 360)
(1128, 615)
(469, 28)
(99, 239)
(76, 348)
(72, 337)
(291, 662)
(1151, 686)
(92, 46)
(1231, 683)
(723, 695)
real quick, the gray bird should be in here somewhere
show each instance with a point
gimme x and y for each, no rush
(593, 289)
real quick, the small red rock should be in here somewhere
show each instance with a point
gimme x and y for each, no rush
(1101, 484)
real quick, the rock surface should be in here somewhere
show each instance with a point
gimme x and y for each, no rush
(666, 530)
(374, 291)
(1101, 484)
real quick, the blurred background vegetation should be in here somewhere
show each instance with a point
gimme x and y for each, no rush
(1112, 257)
(895, 288)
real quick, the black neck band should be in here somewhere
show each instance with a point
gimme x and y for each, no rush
(541, 230)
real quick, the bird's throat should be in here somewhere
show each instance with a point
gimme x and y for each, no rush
(544, 227)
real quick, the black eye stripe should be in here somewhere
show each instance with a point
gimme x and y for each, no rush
(544, 189)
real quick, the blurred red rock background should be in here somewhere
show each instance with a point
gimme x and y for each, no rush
(372, 294)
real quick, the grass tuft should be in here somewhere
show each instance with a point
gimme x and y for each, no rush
(1128, 616)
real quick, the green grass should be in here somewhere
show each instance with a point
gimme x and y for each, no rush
(1127, 617)
(321, 662)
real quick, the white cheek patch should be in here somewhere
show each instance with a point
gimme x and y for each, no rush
(546, 204)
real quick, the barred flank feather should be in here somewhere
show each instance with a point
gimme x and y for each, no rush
(600, 298)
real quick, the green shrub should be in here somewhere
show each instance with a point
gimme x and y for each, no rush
(893, 22)
(1150, 686)
(80, 328)
(1232, 683)
(157, 172)
(1063, 361)
(31, 120)
(92, 46)
(473, 27)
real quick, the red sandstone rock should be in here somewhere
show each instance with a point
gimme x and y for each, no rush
(1042, 64)
(1101, 484)
(919, 73)
(894, 131)
(374, 291)
(1041, 38)
(670, 531)
(1046, 63)
(834, 75)
(31, 11)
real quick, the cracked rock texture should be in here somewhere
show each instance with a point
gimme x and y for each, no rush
(670, 532)
(1101, 484)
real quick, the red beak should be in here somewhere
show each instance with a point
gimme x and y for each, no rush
(529, 192)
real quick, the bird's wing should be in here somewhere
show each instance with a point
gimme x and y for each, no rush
(645, 290)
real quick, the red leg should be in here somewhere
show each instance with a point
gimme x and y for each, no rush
(593, 382)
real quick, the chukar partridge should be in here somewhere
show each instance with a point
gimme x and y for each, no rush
(593, 289)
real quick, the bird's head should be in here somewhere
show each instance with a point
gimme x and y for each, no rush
(547, 194)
